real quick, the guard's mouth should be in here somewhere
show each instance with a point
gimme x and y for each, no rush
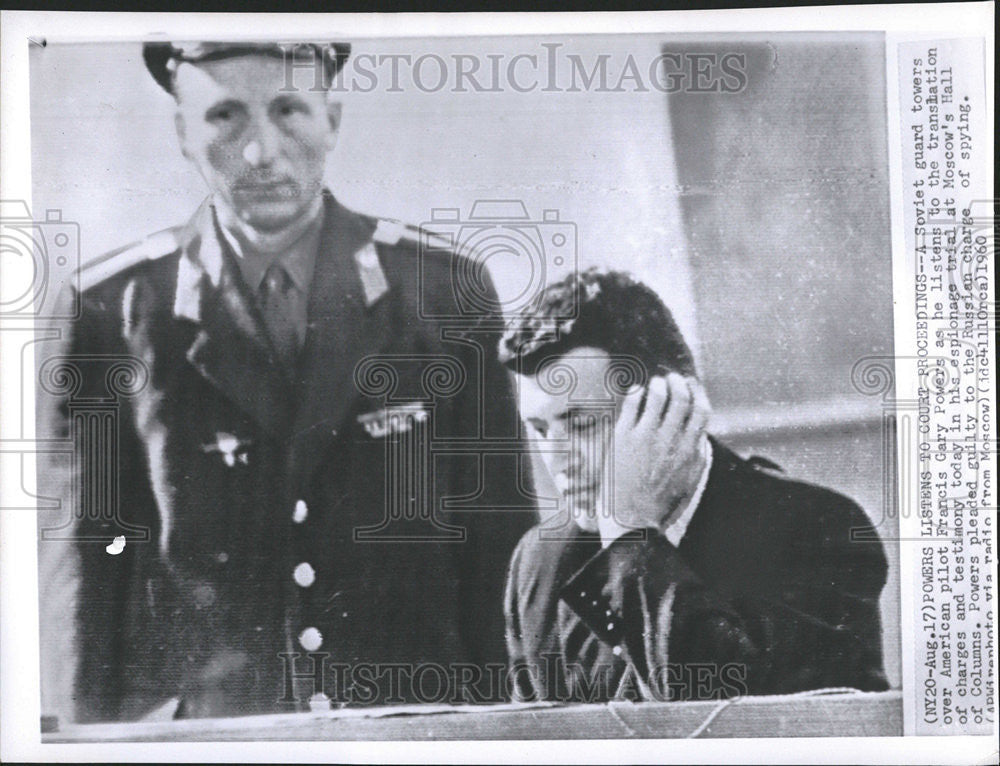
(268, 188)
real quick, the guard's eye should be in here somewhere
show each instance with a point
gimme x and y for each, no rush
(289, 107)
(224, 113)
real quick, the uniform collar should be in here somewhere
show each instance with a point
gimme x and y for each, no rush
(230, 347)
(298, 257)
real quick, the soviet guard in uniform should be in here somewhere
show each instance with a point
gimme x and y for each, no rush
(294, 362)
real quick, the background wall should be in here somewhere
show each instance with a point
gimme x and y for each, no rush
(761, 217)
(785, 200)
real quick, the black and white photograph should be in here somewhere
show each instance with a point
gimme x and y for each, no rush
(504, 386)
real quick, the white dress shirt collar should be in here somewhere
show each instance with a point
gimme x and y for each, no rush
(677, 526)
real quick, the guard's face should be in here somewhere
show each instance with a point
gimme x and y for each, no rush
(259, 144)
(569, 413)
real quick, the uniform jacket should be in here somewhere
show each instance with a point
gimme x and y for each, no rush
(259, 503)
(767, 593)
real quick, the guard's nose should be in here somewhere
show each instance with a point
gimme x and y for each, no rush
(261, 150)
(252, 153)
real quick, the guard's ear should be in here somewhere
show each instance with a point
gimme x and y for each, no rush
(181, 128)
(333, 113)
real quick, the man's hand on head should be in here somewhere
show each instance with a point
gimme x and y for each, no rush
(657, 457)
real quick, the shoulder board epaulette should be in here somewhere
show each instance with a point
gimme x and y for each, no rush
(373, 280)
(154, 246)
(391, 232)
(388, 232)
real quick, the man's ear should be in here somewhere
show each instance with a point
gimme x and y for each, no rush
(181, 132)
(333, 112)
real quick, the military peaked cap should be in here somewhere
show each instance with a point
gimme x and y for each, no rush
(162, 58)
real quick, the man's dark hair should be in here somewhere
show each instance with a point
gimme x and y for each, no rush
(608, 310)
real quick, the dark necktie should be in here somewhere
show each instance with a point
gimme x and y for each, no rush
(276, 300)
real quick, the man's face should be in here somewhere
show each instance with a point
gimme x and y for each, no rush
(573, 423)
(261, 148)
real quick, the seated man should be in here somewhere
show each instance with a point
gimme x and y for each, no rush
(687, 572)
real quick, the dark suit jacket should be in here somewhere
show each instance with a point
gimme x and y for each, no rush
(232, 471)
(766, 594)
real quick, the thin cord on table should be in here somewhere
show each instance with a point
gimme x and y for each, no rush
(796, 695)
